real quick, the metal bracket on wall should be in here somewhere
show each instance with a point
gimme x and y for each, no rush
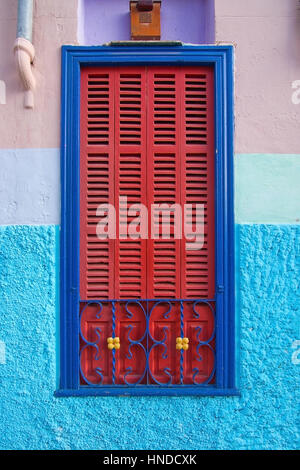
(145, 19)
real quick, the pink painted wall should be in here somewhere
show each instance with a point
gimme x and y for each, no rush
(266, 34)
(55, 23)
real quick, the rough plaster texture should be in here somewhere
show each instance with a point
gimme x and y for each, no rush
(55, 23)
(263, 418)
(93, 15)
(29, 186)
(266, 35)
(267, 189)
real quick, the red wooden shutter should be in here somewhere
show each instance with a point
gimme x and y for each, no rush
(130, 181)
(197, 184)
(96, 187)
(163, 153)
(112, 165)
(180, 151)
(96, 181)
(198, 187)
(147, 134)
(180, 169)
(130, 177)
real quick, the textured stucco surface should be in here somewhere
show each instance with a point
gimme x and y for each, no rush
(264, 417)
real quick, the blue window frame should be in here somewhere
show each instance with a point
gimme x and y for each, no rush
(73, 58)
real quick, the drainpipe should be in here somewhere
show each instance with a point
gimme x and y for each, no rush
(24, 50)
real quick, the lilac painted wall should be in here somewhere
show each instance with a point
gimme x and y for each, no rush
(190, 21)
(209, 26)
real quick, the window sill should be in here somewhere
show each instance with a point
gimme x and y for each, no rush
(140, 390)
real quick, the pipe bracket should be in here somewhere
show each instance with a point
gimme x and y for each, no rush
(25, 53)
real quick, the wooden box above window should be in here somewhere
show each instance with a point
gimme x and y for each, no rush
(145, 20)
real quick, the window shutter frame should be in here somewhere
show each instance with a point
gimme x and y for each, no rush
(221, 58)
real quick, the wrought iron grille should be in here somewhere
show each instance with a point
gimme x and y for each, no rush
(161, 342)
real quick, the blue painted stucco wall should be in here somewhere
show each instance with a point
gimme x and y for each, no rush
(264, 417)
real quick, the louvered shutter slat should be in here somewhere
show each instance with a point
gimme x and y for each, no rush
(163, 179)
(130, 177)
(96, 181)
(197, 169)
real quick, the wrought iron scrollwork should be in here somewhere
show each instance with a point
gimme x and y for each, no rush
(206, 343)
(168, 309)
(160, 343)
(137, 342)
(91, 344)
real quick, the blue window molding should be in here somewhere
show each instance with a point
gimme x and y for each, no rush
(73, 58)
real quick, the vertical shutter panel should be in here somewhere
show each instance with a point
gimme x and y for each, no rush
(197, 169)
(163, 178)
(130, 181)
(96, 187)
(130, 177)
(181, 170)
(96, 180)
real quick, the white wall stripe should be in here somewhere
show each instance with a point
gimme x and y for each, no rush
(29, 186)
